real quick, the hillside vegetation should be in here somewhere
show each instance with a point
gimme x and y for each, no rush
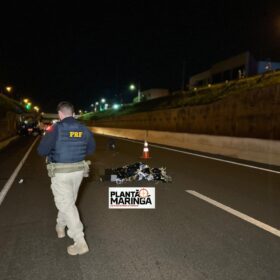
(193, 97)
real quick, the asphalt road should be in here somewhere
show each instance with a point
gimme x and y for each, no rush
(183, 238)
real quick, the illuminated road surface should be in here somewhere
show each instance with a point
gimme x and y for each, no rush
(184, 238)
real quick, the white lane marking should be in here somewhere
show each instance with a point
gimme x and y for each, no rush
(208, 157)
(9, 183)
(236, 213)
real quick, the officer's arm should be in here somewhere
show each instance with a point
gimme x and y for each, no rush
(48, 141)
(91, 144)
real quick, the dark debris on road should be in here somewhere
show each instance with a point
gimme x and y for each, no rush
(135, 172)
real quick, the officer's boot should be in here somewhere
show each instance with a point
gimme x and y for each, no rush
(78, 248)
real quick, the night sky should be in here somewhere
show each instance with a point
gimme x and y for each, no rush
(77, 52)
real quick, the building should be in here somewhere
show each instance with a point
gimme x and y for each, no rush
(154, 93)
(233, 68)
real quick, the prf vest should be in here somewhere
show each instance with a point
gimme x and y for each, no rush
(71, 144)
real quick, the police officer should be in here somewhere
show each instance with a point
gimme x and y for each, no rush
(66, 144)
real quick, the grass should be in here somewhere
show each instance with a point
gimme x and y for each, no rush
(194, 97)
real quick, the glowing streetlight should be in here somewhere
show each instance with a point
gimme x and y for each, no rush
(132, 87)
(26, 100)
(9, 89)
(103, 100)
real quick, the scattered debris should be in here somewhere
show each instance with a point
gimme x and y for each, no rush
(112, 144)
(135, 172)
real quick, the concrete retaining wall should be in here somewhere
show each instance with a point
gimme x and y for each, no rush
(257, 150)
(252, 114)
(8, 125)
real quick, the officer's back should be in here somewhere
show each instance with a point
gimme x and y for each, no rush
(67, 141)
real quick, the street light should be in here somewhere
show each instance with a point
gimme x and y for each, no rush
(9, 89)
(102, 105)
(132, 87)
(96, 106)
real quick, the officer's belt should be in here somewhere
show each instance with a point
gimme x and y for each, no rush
(54, 168)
